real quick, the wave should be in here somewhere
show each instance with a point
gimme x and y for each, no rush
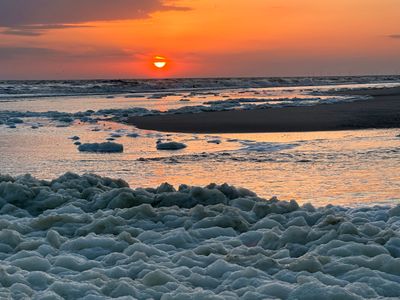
(54, 88)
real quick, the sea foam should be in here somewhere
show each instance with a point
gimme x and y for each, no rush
(91, 237)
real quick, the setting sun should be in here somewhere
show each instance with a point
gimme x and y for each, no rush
(159, 62)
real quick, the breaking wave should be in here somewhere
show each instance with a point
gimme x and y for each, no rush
(52, 88)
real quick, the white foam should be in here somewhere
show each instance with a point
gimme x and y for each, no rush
(170, 146)
(95, 238)
(107, 147)
(253, 146)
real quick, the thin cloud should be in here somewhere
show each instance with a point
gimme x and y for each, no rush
(22, 32)
(32, 17)
(20, 52)
(35, 30)
(394, 36)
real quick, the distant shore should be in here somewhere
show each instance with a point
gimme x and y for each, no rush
(382, 111)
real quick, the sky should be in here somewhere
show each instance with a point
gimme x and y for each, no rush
(80, 39)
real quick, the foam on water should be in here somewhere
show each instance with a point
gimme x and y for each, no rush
(90, 237)
(52, 88)
(327, 167)
(225, 94)
(34, 132)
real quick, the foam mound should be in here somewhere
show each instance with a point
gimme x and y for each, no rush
(170, 146)
(107, 147)
(90, 237)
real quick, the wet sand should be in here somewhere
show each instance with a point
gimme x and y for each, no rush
(382, 111)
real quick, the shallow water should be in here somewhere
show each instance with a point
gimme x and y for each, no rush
(347, 167)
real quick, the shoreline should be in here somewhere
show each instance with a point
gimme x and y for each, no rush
(382, 111)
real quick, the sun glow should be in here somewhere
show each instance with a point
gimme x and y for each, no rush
(159, 62)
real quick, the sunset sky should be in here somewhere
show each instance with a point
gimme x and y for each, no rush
(54, 39)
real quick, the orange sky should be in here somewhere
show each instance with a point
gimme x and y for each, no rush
(213, 38)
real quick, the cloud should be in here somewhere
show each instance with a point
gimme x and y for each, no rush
(35, 30)
(22, 32)
(17, 52)
(394, 36)
(39, 53)
(32, 17)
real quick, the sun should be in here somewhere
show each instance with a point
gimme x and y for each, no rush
(159, 62)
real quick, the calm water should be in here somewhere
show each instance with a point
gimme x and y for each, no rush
(347, 167)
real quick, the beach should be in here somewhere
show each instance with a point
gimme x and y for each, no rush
(94, 208)
(382, 111)
(199, 150)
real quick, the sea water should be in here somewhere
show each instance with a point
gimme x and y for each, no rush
(345, 167)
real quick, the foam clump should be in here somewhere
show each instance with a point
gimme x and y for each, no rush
(107, 147)
(133, 135)
(15, 121)
(170, 146)
(94, 237)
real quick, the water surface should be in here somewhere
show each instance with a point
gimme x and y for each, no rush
(346, 167)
